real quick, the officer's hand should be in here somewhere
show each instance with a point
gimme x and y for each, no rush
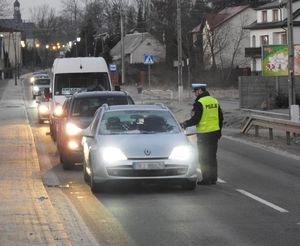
(183, 125)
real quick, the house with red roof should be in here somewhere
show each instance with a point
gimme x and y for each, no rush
(270, 28)
(224, 38)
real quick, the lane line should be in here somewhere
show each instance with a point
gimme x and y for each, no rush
(269, 204)
(221, 181)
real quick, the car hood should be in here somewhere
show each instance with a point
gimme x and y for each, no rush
(144, 145)
(82, 122)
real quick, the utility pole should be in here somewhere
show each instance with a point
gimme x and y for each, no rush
(179, 47)
(294, 109)
(122, 48)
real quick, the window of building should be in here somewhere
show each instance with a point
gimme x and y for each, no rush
(264, 16)
(264, 40)
(284, 38)
(253, 41)
(275, 15)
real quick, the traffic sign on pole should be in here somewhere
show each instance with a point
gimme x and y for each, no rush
(148, 59)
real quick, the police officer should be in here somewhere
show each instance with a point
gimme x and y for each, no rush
(208, 118)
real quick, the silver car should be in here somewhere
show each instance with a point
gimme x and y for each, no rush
(138, 142)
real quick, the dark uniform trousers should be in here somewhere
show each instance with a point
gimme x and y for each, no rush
(207, 149)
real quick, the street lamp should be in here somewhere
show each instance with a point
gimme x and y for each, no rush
(78, 39)
(1, 49)
(23, 45)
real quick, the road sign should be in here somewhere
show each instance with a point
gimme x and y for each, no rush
(148, 59)
(112, 67)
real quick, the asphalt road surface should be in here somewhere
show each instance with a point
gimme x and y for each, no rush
(255, 202)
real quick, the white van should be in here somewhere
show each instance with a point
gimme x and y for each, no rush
(71, 75)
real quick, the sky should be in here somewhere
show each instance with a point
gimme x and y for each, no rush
(26, 5)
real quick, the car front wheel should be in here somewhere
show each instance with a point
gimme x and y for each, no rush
(189, 185)
(86, 176)
(94, 186)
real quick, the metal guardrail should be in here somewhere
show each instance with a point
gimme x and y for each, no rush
(271, 123)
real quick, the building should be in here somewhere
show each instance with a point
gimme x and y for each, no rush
(270, 29)
(224, 38)
(27, 28)
(12, 32)
(138, 44)
(10, 51)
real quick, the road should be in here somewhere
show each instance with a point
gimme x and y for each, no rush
(255, 202)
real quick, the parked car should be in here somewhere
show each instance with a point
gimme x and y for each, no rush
(39, 83)
(137, 142)
(78, 112)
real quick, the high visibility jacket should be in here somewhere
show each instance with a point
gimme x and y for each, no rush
(209, 121)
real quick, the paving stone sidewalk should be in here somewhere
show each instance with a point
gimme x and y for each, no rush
(27, 216)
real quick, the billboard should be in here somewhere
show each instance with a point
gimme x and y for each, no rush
(275, 60)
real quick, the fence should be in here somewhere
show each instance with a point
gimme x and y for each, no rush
(263, 92)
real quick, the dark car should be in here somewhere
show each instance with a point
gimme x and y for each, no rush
(78, 112)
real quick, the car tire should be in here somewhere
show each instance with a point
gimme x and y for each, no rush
(189, 185)
(94, 187)
(67, 164)
(86, 176)
(52, 133)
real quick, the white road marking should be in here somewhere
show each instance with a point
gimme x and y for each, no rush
(262, 201)
(298, 223)
(221, 181)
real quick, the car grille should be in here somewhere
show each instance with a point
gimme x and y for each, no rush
(128, 171)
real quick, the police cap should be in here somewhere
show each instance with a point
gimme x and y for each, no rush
(198, 86)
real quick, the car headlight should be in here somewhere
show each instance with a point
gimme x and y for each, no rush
(112, 154)
(181, 153)
(72, 129)
(32, 79)
(73, 145)
(43, 109)
(58, 111)
(36, 88)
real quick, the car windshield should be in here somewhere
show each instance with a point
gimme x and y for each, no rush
(138, 122)
(42, 82)
(68, 84)
(86, 107)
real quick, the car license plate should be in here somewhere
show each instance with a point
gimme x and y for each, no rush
(148, 165)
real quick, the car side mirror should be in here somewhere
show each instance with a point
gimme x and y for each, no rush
(87, 133)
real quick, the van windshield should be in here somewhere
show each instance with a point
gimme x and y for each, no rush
(42, 82)
(69, 83)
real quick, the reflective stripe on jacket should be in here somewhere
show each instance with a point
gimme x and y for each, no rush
(210, 116)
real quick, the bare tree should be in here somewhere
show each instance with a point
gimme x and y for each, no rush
(46, 23)
(215, 40)
(72, 9)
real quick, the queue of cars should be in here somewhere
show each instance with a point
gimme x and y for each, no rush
(115, 139)
(77, 114)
